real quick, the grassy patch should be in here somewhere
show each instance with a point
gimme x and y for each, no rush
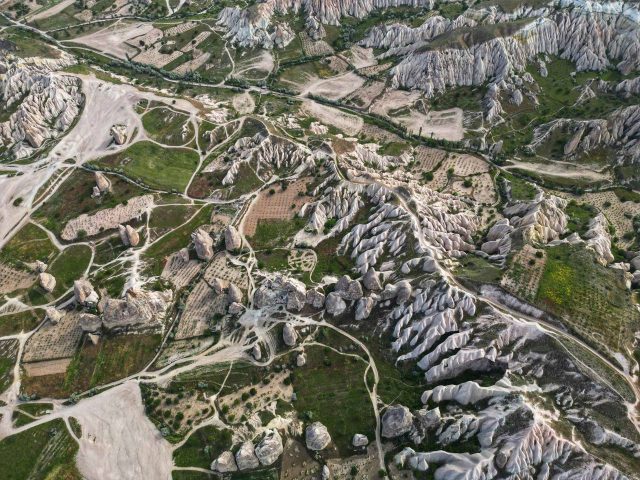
(202, 447)
(8, 352)
(275, 233)
(273, 260)
(152, 165)
(17, 322)
(477, 269)
(167, 126)
(521, 190)
(73, 198)
(211, 377)
(171, 216)
(43, 452)
(329, 380)
(580, 214)
(591, 299)
(155, 255)
(31, 243)
(625, 195)
(113, 358)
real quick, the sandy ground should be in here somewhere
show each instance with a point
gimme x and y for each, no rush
(50, 12)
(349, 124)
(50, 367)
(559, 169)
(445, 124)
(336, 87)
(118, 441)
(361, 57)
(112, 39)
(243, 103)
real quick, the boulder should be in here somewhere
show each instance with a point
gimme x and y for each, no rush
(217, 285)
(234, 294)
(635, 262)
(119, 134)
(371, 280)
(301, 360)
(364, 307)
(349, 289)
(359, 440)
(315, 298)
(270, 448)
(317, 436)
(224, 463)
(40, 266)
(128, 235)
(403, 291)
(84, 293)
(102, 182)
(335, 304)
(289, 335)
(246, 457)
(232, 238)
(326, 473)
(296, 295)
(53, 314)
(203, 243)
(89, 323)
(396, 421)
(47, 282)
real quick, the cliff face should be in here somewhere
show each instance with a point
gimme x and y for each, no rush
(43, 104)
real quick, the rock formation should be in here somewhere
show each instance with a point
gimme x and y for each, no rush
(246, 457)
(203, 244)
(84, 292)
(47, 282)
(119, 134)
(129, 235)
(317, 436)
(232, 239)
(137, 308)
(224, 463)
(270, 448)
(396, 421)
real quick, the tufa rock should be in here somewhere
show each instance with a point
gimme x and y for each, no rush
(317, 436)
(47, 282)
(232, 238)
(53, 314)
(403, 291)
(235, 308)
(128, 235)
(224, 463)
(301, 360)
(359, 440)
(84, 293)
(396, 421)
(234, 294)
(289, 335)
(41, 266)
(119, 134)
(326, 473)
(102, 182)
(335, 304)
(364, 307)
(246, 457)
(203, 243)
(371, 280)
(315, 298)
(89, 322)
(270, 448)
(256, 352)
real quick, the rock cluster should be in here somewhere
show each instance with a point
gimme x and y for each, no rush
(137, 308)
(232, 239)
(317, 436)
(119, 134)
(84, 292)
(270, 448)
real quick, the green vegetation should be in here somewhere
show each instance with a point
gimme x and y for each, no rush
(156, 254)
(8, 351)
(167, 126)
(31, 243)
(25, 43)
(275, 233)
(590, 298)
(73, 198)
(171, 216)
(113, 358)
(580, 214)
(211, 378)
(521, 190)
(273, 260)
(625, 195)
(17, 322)
(152, 165)
(478, 270)
(43, 452)
(202, 447)
(328, 380)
